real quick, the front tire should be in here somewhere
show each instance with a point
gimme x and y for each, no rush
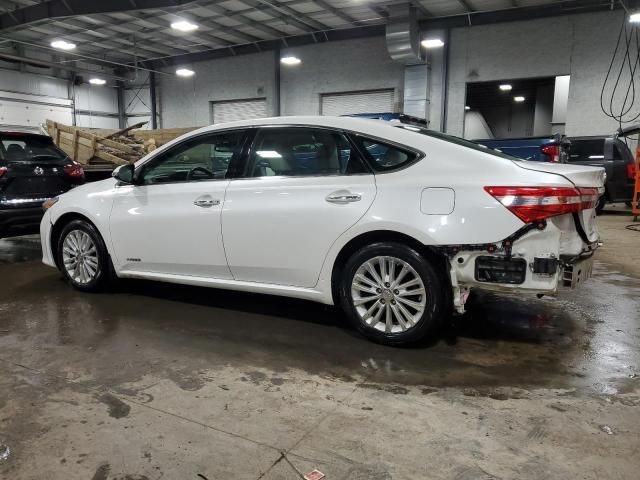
(83, 257)
(392, 294)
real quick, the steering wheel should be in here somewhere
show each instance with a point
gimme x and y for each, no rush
(209, 173)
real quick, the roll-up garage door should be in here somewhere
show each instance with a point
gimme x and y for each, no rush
(20, 111)
(232, 110)
(347, 103)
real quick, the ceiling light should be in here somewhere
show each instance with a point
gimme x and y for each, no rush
(634, 17)
(505, 87)
(518, 99)
(62, 45)
(467, 107)
(97, 81)
(184, 72)
(290, 60)
(432, 43)
(184, 26)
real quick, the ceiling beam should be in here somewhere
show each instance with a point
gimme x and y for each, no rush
(468, 8)
(71, 8)
(566, 7)
(270, 31)
(44, 64)
(296, 18)
(337, 12)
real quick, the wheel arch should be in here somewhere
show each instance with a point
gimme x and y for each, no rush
(438, 259)
(58, 226)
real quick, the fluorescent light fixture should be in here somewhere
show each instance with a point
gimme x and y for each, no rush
(184, 72)
(62, 45)
(634, 17)
(432, 43)
(97, 81)
(467, 107)
(184, 26)
(505, 87)
(518, 99)
(268, 154)
(594, 157)
(290, 60)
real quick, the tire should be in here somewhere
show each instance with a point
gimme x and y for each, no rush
(602, 201)
(386, 315)
(80, 238)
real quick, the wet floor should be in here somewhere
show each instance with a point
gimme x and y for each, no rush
(585, 339)
(286, 376)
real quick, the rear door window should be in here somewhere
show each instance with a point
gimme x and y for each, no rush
(302, 151)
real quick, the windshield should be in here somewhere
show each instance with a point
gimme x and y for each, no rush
(25, 148)
(457, 140)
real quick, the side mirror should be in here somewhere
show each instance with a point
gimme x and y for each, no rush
(124, 173)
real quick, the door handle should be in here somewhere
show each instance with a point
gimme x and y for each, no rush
(343, 196)
(206, 202)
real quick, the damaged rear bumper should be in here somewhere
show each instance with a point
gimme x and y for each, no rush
(535, 260)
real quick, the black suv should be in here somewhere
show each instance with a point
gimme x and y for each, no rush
(32, 170)
(613, 154)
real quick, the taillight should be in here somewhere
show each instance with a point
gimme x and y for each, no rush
(531, 204)
(3, 170)
(74, 170)
(631, 171)
(552, 151)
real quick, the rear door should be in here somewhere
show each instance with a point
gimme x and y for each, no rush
(302, 188)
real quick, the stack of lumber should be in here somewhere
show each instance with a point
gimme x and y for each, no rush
(106, 149)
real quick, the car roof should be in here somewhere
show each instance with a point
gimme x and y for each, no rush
(364, 125)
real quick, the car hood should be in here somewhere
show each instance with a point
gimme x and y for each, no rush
(579, 175)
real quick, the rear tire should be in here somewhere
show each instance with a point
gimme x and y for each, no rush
(392, 294)
(82, 257)
(602, 201)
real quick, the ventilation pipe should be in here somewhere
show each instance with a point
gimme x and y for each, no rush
(403, 45)
(403, 38)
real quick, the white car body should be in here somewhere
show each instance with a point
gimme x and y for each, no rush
(278, 235)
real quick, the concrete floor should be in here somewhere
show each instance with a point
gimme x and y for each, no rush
(159, 381)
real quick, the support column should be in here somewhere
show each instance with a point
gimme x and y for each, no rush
(122, 114)
(152, 94)
(445, 82)
(276, 86)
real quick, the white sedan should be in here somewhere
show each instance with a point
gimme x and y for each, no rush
(393, 222)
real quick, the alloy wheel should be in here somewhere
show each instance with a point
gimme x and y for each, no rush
(80, 257)
(388, 294)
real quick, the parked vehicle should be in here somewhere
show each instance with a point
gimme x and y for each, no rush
(305, 207)
(614, 156)
(32, 170)
(554, 148)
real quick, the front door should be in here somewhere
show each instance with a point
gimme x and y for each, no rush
(302, 189)
(169, 221)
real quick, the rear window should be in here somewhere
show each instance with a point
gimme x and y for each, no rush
(24, 148)
(458, 141)
(590, 150)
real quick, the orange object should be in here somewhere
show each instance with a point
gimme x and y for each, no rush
(635, 207)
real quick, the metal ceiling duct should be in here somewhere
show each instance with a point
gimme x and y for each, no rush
(403, 39)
